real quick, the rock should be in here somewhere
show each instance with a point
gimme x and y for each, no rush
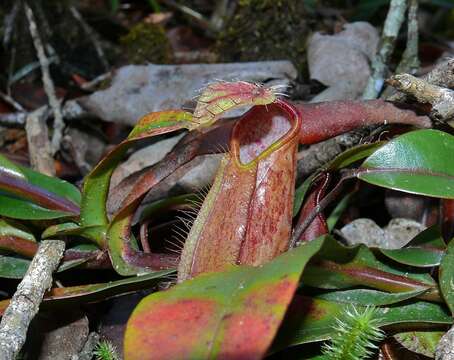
(139, 89)
(400, 231)
(363, 231)
(86, 149)
(341, 61)
(394, 236)
(57, 335)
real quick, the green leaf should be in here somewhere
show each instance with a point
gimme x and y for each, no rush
(418, 162)
(446, 276)
(425, 250)
(16, 208)
(367, 297)
(10, 228)
(13, 267)
(353, 155)
(310, 320)
(216, 314)
(94, 233)
(421, 342)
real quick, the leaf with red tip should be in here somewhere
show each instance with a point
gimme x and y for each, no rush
(219, 97)
(229, 315)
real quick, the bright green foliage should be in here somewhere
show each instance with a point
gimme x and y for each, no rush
(105, 350)
(356, 331)
(418, 162)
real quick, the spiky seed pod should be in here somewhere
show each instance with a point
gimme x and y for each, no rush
(355, 334)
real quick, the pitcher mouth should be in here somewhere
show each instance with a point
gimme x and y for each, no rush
(263, 130)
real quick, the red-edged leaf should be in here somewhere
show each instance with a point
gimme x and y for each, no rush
(229, 315)
(95, 292)
(217, 98)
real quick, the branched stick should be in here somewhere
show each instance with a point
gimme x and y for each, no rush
(393, 23)
(410, 62)
(25, 303)
(441, 99)
(9, 21)
(441, 75)
(72, 111)
(49, 87)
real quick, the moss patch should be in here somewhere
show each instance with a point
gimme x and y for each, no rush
(266, 30)
(146, 43)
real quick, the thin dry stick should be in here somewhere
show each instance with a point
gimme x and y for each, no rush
(410, 61)
(38, 142)
(49, 87)
(8, 22)
(91, 35)
(72, 110)
(12, 102)
(441, 99)
(14, 120)
(25, 303)
(393, 23)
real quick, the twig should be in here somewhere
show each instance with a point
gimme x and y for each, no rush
(442, 74)
(198, 18)
(393, 23)
(91, 35)
(72, 111)
(92, 84)
(12, 102)
(25, 302)
(9, 21)
(441, 99)
(14, 120)
(49, 87)
(410, 62)
(223, 11)
(38, 142)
